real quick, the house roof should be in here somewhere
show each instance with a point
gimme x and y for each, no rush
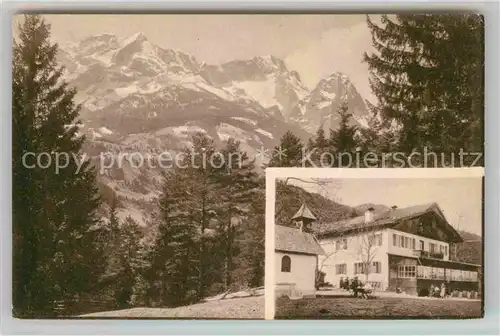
(385, 218)
(289, 239)
(304, 212)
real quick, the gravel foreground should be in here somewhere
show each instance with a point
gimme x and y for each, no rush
(237, 308)
(354, 308)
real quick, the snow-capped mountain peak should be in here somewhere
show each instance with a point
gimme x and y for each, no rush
(270, 63)
(138, 96)
(137, 37)
(319, 108)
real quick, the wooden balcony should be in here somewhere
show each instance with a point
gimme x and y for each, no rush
(428, 255)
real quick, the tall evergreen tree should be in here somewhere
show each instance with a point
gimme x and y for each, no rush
(114, 224)
(253, 240)
(188, 208)
(202, 203)
(378, 137)
(128, 261)
(342, 140)
(56, 254)
(237, 184)
(428, 75)
(317, 146)
(289, 153)
(174, 257)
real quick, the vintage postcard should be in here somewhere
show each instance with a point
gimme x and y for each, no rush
(376, 243)
(141, 142)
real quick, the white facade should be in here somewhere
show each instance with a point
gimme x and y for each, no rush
(413, 242)
(355, 252)
(340, 261)
(300, 278)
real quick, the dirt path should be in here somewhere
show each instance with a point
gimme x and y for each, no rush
(237, 308)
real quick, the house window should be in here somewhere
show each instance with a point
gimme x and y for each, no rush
(432, 247)
(376, 267)
(437, 273)
(359, 268)
(407, 271)
(341, 244)
(424, 272)
(341, 268)
(413, 244)
(286, 264)
(440, 273)
(445, 250)
(394, 239)
(401, 241)
(407, 242)
(422, 246)
(375, 240)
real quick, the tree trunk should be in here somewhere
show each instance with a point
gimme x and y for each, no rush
(229, 256)
(201, 259)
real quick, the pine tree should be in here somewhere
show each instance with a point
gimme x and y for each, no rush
(174, 257)
(378, 137)
(321, 141)
(128, 248)
(202, 203)
(188, 208)
(144, 286)
(428, 75)
(253, 240)
(342, 140)
(237, 184)
(112, 251)
(114, 224)
(56, 250)
(288, 153)
(317, 146)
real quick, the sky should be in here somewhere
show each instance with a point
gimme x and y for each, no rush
(313, 45)
(460, 199)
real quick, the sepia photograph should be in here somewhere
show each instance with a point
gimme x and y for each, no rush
(374, 247)
(141, 142)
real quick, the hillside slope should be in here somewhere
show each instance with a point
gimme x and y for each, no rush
(289, 198)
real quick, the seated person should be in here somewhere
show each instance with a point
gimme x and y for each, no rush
(366, 289)
(347, 284)
(431, 290)
(355, 286)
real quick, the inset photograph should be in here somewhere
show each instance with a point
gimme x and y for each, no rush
(378, 247)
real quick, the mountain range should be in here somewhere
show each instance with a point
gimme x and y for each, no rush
(139, 97)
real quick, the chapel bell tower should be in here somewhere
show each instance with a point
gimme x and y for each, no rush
(304, 219)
